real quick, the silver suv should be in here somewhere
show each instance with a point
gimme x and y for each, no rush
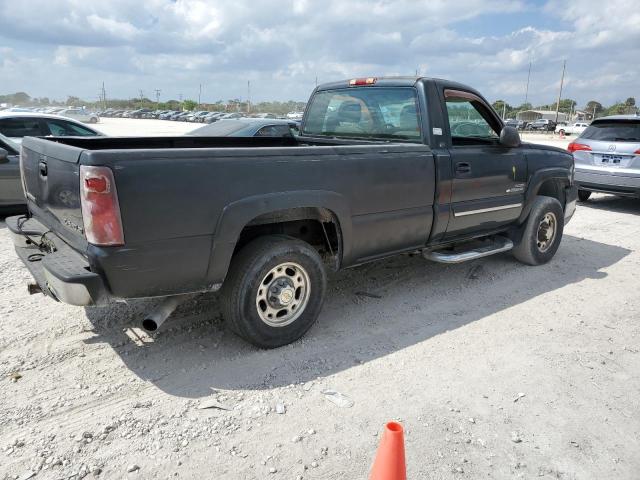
(607, 157)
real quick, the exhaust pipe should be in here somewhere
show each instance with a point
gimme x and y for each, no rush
(33, 288)
(156, 317)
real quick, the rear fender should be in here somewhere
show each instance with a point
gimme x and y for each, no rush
(237, 215)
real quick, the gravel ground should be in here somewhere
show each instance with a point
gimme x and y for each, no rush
(495, 369)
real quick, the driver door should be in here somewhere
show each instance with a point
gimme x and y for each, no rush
(488, 178)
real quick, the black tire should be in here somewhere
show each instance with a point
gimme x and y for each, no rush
(583, 195)
(241, 289)
(533, 248)
(561, 132)
(93, 120)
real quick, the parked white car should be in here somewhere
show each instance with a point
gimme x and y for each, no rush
(575, 129)
(80, 114)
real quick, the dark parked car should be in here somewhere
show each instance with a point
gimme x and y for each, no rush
(140, 113)
(11, 193)
(543, 125)
(212, 117)
(380, 168)
(248, 127)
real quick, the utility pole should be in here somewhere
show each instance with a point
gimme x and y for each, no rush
(248, 96)
(104, 97)
(158, 97)
(180, 99)
(141, 98)
(316, 80)
(564, 65)
(504, 110)
(526, 94)
(199, 94)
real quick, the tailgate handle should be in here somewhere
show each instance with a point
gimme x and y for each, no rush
(42, 166)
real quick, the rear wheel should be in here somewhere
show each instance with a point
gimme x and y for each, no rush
(274, 291)
(542, 233)
(583, 195)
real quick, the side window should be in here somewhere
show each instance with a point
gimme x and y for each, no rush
(20, 127)
(274, 131)
(468, 124)
(60, 128)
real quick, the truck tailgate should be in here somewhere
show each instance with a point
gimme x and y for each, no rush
(52, 186)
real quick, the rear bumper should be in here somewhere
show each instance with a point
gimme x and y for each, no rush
(620, 184)
(571, 199)
(61, 272)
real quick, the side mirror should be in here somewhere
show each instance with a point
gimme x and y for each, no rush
(4, 155)
(509, 137)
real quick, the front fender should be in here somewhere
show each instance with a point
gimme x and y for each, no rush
(238, 214)
(536, 181)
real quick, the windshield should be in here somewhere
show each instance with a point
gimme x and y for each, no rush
(613, 131)
(366, 112)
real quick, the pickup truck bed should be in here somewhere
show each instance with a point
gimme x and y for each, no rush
(146, 217)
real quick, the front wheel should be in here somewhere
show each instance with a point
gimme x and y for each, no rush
(542, 233)
(274, 291)
(583, 195)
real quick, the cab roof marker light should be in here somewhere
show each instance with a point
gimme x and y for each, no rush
(357, 82)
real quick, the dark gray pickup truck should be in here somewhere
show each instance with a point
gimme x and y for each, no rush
(382, 166)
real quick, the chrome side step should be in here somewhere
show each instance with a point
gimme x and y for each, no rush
(496, 245)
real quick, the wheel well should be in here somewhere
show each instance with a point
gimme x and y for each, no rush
(553, 188)
(318, 227)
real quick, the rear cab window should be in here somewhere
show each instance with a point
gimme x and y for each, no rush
(369, 113)
(613, 131)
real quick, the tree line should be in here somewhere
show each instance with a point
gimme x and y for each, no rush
(569, 106)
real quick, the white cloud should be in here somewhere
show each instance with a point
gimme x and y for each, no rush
(282, 45)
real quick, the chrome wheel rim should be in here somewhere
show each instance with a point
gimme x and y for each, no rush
(547, 231)
(283, 294)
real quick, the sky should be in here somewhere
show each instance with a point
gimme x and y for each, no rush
(57, 48)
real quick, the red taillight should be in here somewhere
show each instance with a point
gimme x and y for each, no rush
(100, 208)
(637, 152)
(96, 185)
(574, 147)
(362, 81)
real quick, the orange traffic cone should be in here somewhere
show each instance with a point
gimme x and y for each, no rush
(389, 463)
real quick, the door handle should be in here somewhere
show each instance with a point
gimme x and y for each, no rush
(463, 167)
(42, 166)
